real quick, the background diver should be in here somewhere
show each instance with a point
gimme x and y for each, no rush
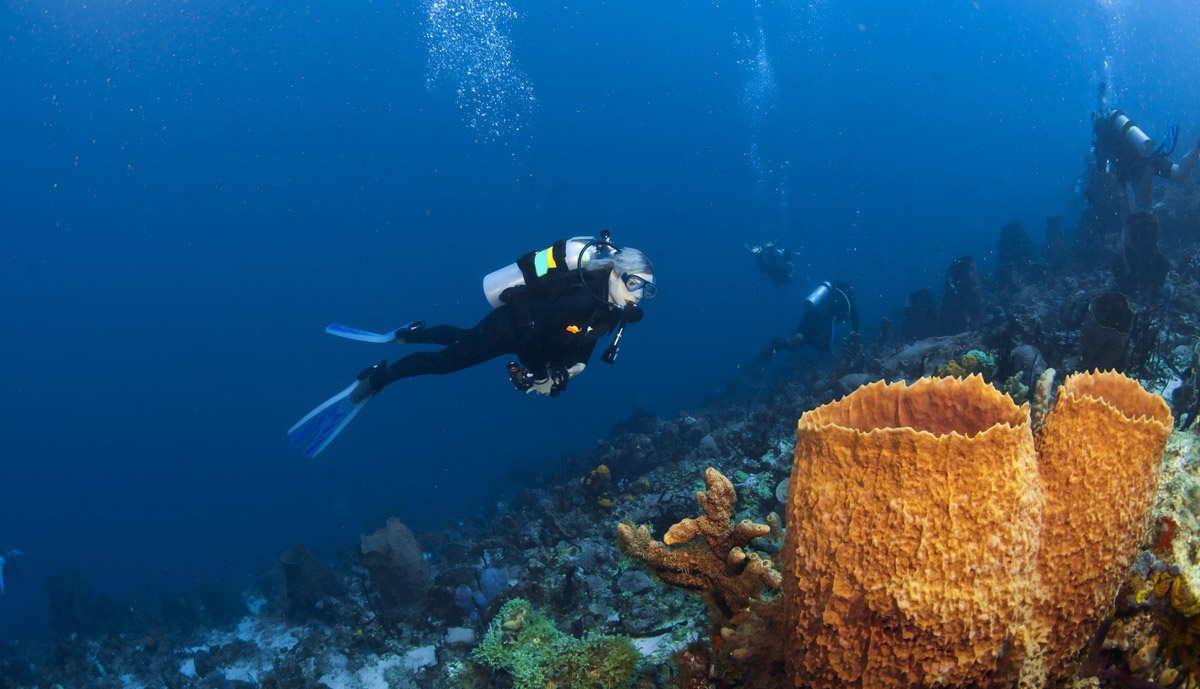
(774, 261)
(1123, 148)
(551, 307)
(831, 302)
(6, 560)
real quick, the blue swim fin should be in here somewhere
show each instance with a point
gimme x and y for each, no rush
(366, 336)
(1168, 144)
(321, 425)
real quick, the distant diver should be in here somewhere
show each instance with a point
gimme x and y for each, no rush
(1124, 149)
(774, 262)
(6, 564)
(831, 302)
(550, 308)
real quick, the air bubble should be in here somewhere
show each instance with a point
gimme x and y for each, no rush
(470, 52)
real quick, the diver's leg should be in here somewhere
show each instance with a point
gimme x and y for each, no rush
(495, 335)
(1143, 187)
(437, 335)
(760, 361)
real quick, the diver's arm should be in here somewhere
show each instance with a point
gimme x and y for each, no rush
(553, 354)
(577, 358)
(1181, 171)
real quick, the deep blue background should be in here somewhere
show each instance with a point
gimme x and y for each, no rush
(193, 190)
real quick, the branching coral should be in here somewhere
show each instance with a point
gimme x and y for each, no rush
(720, 567)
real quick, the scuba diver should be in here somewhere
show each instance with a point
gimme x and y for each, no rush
(1122, 148)
(550, 308)
(6, 564)
(831, 302)
(774, 262)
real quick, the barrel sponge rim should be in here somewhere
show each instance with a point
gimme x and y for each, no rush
(1123, 394)
(935, 407)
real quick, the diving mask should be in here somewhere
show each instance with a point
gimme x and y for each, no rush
(636, 283)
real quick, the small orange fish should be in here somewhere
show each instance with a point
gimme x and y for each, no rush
(573, 329)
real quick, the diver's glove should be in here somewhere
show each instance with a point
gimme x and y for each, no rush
(370, 381)
(553, 384)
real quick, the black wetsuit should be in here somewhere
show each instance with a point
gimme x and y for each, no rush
(777, 264)
(553, 325)
(1113, 147)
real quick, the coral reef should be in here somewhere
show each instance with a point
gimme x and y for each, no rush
(962, 298)
(1014, 254)
(1155, 635)
(972, 363)
(595, 486)
(1141, 266)
(308, 582)
(1055, 245)
(524, 643)
(492, 583)
(1107, 327)
(544, 539)
(920, 316)
(1043, 396)
(399, 573)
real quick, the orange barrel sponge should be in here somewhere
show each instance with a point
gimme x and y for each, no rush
(913, 522)
(1099, 452)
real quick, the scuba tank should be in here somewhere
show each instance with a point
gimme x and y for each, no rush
(818, 295)
(828, 300)
(564, 255)
(1132, 133)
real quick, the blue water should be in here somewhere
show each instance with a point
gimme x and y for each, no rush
(193, 190)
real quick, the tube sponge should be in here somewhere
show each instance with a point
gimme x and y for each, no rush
(932, 541)
(1099, 454)
(913, 523)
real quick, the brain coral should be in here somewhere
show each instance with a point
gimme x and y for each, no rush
(919, 526)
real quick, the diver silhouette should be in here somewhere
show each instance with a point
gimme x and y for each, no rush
(774, 261)
(831, 302)
(1123, 148)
